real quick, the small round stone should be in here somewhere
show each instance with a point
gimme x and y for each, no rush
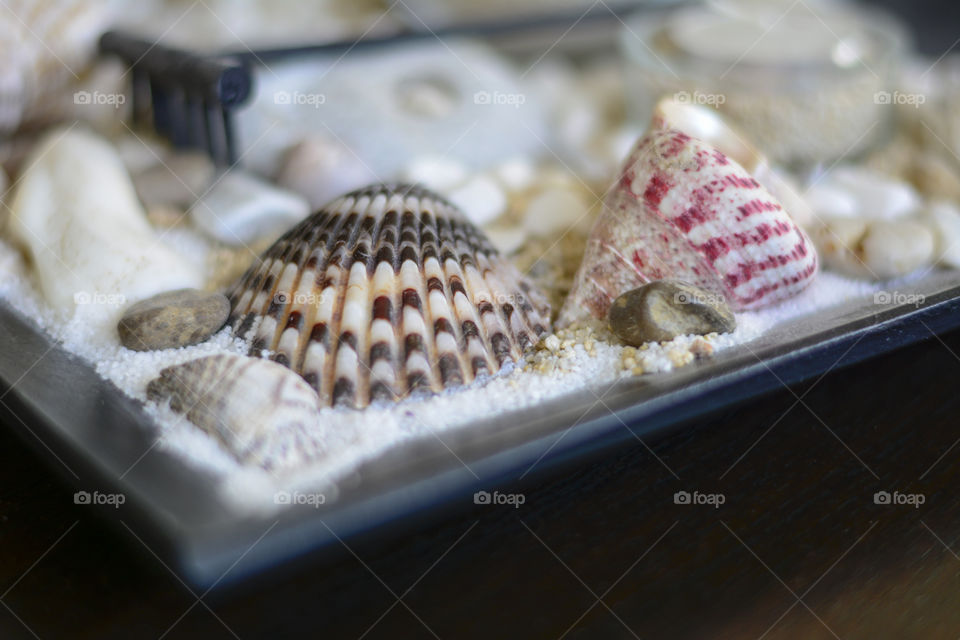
(480, 198)
(173, 319)
(178, 180)
(662, 310)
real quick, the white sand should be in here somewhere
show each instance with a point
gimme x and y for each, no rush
(352, 437)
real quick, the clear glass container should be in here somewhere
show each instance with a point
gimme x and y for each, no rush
(809, 82)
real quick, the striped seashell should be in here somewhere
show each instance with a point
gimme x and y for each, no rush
(261, 412)
(682, 209)
(384, 291)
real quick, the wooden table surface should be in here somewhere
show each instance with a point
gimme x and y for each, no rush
(798, 549)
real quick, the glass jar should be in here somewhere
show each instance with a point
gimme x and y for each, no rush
(809, 81)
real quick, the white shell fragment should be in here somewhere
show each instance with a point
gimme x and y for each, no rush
(875, 249)
(944, 219)
(516, 174)
(878, 197)
(838, 244)
(384, 291)
(435, 172)
(506, 239)
(258, 409)
(46, 46)
(241, 208)
(898, 247)
(554, 210)
(481, 199)
(93, 250)
(320, 168)
(830, 201)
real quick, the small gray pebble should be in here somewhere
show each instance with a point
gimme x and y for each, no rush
(662, 310)
(173, 319)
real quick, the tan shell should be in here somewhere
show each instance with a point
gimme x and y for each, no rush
(384, 291)
(260, 411)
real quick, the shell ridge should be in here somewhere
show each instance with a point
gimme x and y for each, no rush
(411, 295)
(453, 280)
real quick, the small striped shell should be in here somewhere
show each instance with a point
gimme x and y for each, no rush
(261, 412)
(384, 291)
(682, 209)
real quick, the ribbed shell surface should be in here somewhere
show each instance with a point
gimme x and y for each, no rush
(386, 290)
(682, 209)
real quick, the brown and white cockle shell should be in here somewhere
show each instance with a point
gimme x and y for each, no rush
(682, 209)
(384, 291)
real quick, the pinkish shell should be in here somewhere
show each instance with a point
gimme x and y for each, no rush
(682, 209)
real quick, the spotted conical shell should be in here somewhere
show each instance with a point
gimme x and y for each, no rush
(682, 209)
(384, 291)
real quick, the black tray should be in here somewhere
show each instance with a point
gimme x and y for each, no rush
(101, 440)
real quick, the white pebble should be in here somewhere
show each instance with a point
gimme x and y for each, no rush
(943, 219)
(179, 179)
(577, 123)
(878, 196)
(481, 199)
(552, 342)
(506, 239)
(892, 249)
(435, 172)
(321, 169)
(241, 208)
(93, 250)
(828, 201)
(554, 211)
(516, 174)
(620, 142)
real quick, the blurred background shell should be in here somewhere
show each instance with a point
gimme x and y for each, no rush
(384, 291)
(45, 47)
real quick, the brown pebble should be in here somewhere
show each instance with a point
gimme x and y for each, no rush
(173, 319)
(662, 310)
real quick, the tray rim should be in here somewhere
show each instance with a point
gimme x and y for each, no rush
(200, 555)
